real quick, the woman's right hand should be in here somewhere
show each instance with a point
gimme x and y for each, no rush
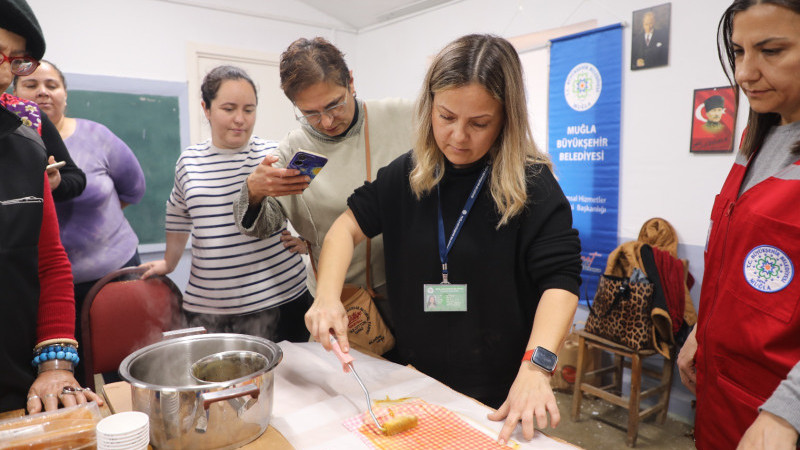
(324, 316)
(158, 267)
(686, 366)
(53, 175)
(268, 181)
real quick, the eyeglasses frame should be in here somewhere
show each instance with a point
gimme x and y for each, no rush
(330, 112)
(12, 59)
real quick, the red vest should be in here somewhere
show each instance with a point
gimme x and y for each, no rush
(749, 321)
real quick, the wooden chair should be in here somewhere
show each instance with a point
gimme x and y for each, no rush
(121, 314)
(632, 359)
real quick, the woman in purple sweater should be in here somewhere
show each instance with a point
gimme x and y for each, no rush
(97, 237)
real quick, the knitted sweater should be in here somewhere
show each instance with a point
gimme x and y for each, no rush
(477, 351)
(313, 212)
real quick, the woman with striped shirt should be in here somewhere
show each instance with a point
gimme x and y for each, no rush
(237, 284)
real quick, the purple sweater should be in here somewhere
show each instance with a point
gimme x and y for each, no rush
(97, 237)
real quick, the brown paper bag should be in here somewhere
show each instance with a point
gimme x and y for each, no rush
(365, 326)
(567, 368)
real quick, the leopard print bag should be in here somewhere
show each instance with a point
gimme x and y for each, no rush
(621, 312)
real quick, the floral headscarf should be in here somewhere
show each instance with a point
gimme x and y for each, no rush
(27, 110)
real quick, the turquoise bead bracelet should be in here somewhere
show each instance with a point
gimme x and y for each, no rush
(51, 352)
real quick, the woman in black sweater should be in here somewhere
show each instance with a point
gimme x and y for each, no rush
(474, 218)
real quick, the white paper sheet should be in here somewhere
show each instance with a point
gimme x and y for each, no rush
(313, 396)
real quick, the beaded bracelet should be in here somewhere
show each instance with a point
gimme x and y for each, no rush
(53, 352)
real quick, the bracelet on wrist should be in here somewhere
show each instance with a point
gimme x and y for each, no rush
(59, 352)
(57, 341)
(56, 364)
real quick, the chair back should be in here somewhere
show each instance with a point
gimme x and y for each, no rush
(123, 313)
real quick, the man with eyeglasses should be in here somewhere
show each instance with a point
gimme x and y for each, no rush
(337, 124)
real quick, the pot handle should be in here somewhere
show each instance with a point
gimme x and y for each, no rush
(212, 397)
(182, 332)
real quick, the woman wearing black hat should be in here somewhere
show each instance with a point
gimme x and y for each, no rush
(36, 299)
(69, 181)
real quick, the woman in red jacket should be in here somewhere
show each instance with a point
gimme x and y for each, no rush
(36, 298)
(746, 346)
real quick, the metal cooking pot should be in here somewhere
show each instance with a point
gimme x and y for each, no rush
(226, 366)
(188, 413)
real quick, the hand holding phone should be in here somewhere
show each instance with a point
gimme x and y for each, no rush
(307, 162)
(57, 165)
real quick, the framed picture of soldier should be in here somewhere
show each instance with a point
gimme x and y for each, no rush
(713, 120)
(650, 37)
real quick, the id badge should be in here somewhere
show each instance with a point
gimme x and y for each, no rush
(444, 297)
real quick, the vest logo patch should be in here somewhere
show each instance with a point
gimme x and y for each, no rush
(768, 269)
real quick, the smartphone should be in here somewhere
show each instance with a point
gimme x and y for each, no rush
(57, 165)
(307, 162)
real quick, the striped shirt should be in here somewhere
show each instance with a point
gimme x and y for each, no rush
(231, 273)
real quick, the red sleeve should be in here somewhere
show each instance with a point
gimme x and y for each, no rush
(56, 317)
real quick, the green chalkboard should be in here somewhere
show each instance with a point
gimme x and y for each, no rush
(150, 125)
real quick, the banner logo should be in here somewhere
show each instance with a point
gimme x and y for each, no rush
(583, 86)
(768, 269)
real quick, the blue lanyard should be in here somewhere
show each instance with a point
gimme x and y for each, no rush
(445, 249)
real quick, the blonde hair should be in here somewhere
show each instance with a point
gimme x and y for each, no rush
(493, 63)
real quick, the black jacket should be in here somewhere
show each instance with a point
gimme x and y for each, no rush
(73, 180)
(22, 165)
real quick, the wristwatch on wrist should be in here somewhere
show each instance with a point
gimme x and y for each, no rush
(543, 358)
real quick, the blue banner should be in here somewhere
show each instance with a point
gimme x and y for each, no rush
(583, 134)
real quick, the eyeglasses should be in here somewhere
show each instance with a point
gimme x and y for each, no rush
(314, 119)
(20, 65)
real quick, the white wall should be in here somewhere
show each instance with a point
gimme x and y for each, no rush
(147, 38)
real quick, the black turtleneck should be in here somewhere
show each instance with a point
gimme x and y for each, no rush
(353, 122)
(477, 352)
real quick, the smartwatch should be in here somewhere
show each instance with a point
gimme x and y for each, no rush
(543, 358)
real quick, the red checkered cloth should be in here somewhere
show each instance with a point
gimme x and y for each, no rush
(438, 427)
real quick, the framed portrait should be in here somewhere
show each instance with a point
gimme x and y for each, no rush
(650, 37)
(713, 120)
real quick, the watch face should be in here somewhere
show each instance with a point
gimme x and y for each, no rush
(545, 359)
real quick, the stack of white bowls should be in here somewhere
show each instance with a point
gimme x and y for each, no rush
(127, 430)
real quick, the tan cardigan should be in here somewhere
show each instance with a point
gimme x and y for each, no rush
(313, 212)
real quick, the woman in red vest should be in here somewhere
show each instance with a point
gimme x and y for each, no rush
(743, 355)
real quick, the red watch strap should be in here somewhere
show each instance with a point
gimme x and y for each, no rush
(528, 355)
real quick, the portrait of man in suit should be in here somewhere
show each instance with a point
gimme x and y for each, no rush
(650, 40)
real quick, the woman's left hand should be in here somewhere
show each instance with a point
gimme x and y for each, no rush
(293, 244)
(529, 397)
(49, 389)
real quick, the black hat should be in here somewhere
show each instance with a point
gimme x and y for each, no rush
(16, 16)
(715, 101)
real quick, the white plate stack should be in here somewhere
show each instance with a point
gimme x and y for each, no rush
(127, 430)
